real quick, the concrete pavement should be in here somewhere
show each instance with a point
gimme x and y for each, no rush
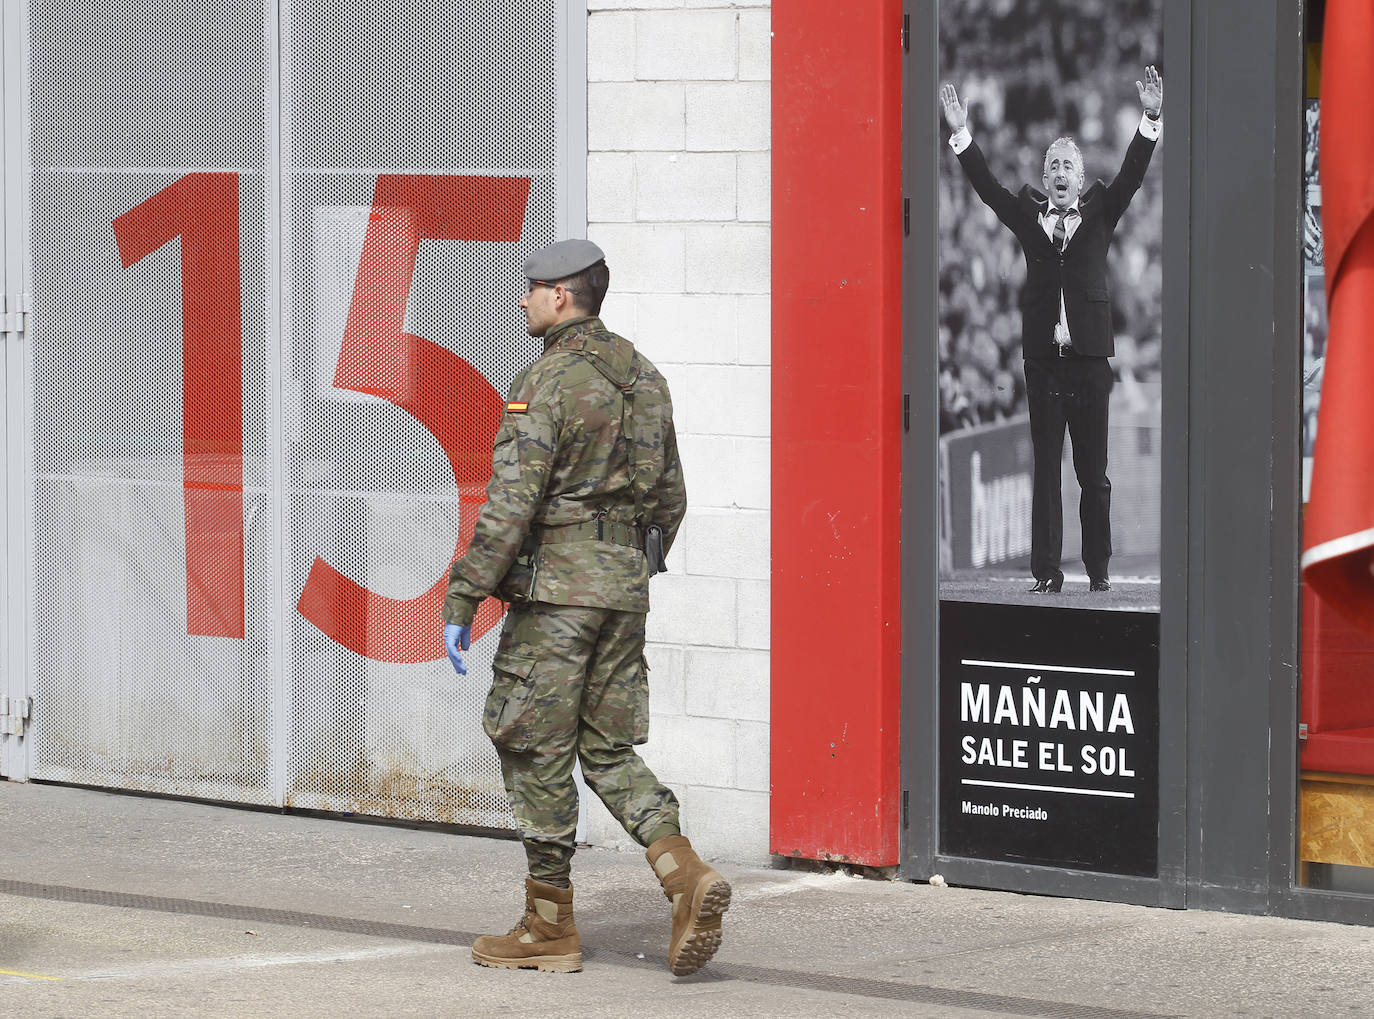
(117, 905)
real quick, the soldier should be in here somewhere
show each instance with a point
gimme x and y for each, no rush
(585, 498)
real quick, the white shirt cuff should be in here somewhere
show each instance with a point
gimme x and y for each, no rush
(961, 139)
(1151, 129)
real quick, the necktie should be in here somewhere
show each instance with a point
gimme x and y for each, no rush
(1059, 230)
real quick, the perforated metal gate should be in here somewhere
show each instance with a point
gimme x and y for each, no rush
(276, 257)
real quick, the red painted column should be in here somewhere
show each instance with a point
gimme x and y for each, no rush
(836, 306)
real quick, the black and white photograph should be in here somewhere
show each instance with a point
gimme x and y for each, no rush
(1314, 289)
(1050, 268)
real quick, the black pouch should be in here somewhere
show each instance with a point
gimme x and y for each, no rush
(653, 549)
(518, 584)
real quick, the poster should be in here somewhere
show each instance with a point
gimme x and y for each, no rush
(1050, 349)
(1049, 737)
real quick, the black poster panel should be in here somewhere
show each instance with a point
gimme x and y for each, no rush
(1049, 736)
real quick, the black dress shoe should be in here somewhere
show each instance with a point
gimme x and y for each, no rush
(1050, 585)
(1100, 584)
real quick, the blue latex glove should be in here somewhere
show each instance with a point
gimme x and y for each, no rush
(457, 639)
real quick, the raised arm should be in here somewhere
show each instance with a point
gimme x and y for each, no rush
(1151, 92)
(1142, 147)
(956, 115)
(975, 167)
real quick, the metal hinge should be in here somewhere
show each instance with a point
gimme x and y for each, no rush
(906, 217)
(906, 33)
(1302, 731)
(14, 314)
(14, 714)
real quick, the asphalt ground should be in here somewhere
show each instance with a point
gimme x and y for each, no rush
(116, 905)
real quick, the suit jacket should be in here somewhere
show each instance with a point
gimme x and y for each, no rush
(1080, 270)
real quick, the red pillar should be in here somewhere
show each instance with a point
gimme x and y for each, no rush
(836, 406)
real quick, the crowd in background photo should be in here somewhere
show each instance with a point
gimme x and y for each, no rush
(1031, 71)
(1314, 291)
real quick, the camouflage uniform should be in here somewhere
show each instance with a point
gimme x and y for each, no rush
(584, 460)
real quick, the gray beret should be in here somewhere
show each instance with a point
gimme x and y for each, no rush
(562, 259)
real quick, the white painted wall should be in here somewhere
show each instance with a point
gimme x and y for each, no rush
(678, 196)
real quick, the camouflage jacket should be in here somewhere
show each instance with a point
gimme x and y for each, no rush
(563, 470)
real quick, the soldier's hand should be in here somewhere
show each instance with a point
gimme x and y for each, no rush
(457, 638)
(956, 113)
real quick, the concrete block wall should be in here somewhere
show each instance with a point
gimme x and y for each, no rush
(678, 195)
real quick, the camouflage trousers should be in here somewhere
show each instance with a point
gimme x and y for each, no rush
(571, 682)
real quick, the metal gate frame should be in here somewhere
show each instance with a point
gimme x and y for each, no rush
(15, 373)
(17, 517)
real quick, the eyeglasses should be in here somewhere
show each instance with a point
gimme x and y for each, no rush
(546, 283)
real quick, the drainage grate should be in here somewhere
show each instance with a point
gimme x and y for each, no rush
(718, 973)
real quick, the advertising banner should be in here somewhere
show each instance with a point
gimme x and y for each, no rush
(985, 502)
(1050, 285)
(1049, 737)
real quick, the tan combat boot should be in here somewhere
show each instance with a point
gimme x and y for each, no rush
(699, 896)
(545, 938)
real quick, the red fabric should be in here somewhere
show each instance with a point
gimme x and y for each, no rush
(1339, 526)
(1346, 751)
(1336, 666)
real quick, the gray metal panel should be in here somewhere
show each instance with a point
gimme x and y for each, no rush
(1175, 557)
(920, 492)
(570, 214)
(1079, 884)
(1286, 480)
(275, 339)
(381, 731)
(122, 68)
(18, 377)
(1246, 285)
(571, 218)
(12, 682)
(1339, 907)
(478, 80)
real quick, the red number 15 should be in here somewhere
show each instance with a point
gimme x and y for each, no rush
(436, 387)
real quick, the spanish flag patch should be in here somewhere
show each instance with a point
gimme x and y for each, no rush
(517, 407)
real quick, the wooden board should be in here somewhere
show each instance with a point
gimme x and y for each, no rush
(1336, 819)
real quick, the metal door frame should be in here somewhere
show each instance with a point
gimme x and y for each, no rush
(922, 149)
(1232, 480)
(16, 513)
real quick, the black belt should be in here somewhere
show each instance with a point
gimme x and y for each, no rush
(593, 530)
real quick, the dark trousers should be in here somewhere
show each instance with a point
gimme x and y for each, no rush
(1070, 392)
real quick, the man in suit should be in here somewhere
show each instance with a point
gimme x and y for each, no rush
(1066, 321)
